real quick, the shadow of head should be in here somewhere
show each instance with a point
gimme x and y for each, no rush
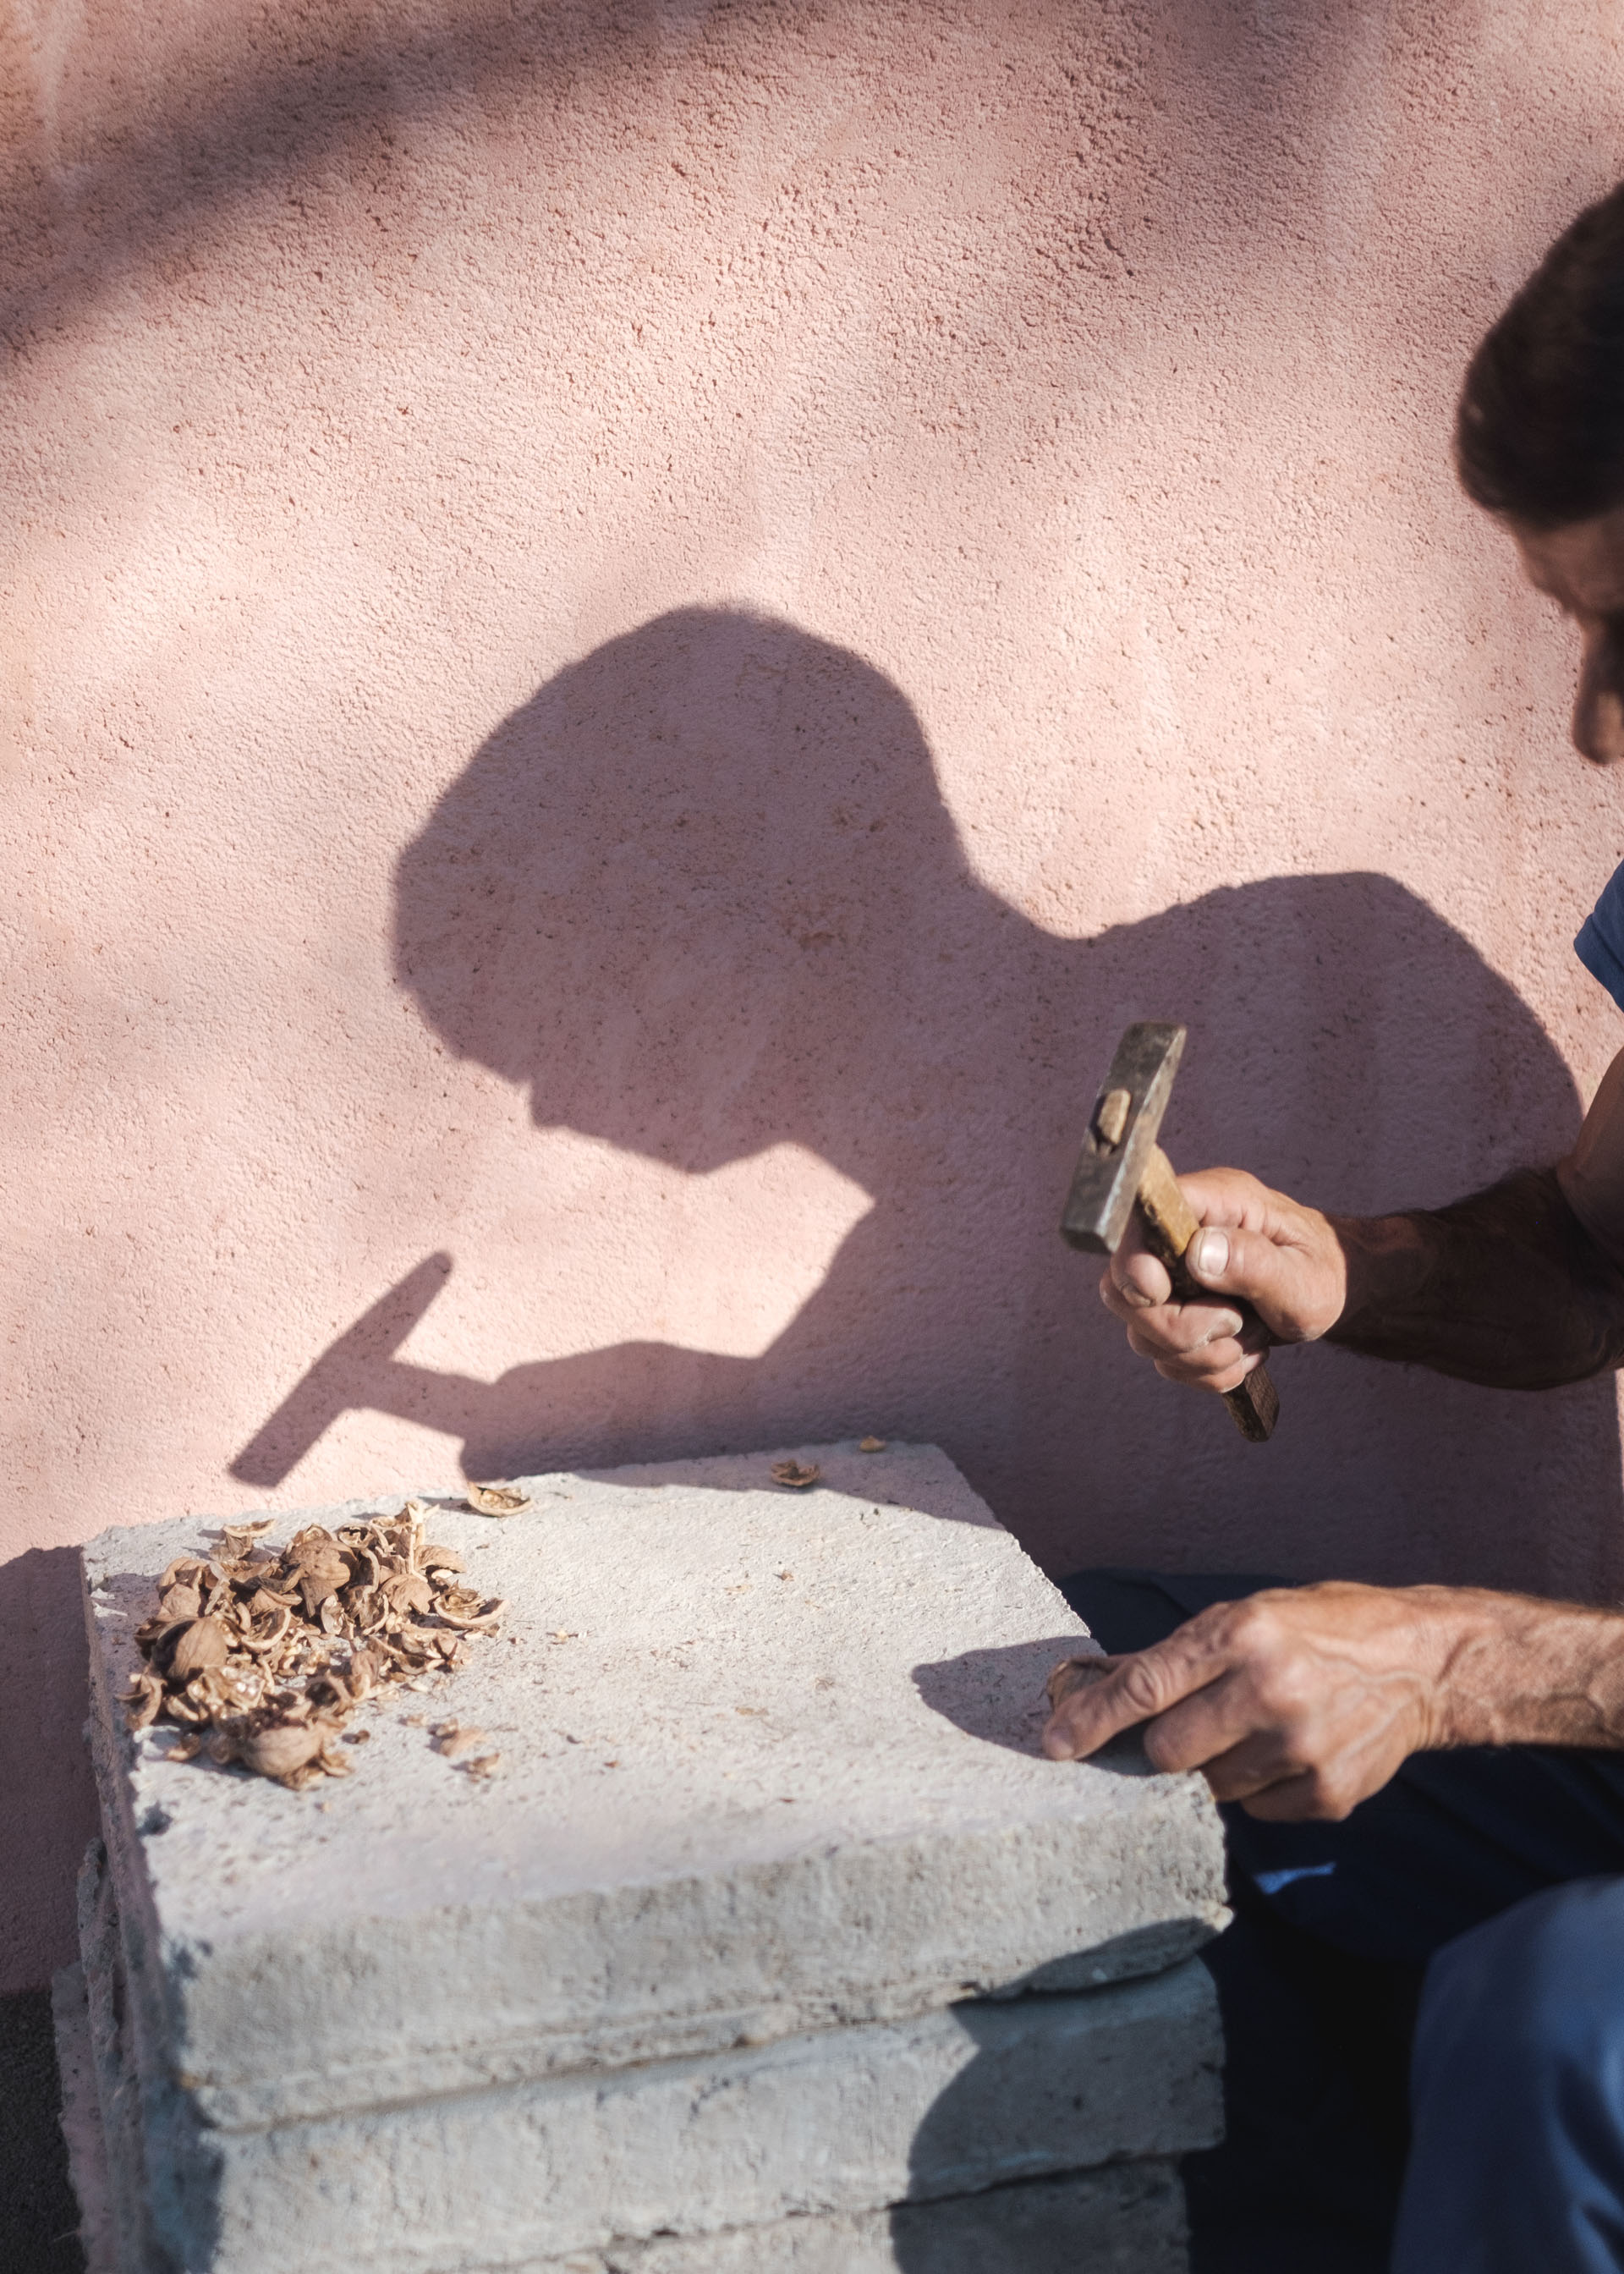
(685, 893)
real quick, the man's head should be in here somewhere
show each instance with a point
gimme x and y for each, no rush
(1539, 444)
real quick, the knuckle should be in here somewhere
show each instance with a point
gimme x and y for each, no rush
(1201, 1639)
(1282, 1689)
(1141, 1684)
(1210, 1623)
(1253, 1628)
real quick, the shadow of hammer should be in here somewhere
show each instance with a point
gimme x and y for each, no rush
(359, 1370)
(1122, 1165)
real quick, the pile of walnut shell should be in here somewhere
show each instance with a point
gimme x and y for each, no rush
(261, 1654)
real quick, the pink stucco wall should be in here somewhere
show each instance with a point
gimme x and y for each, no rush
(632, 632)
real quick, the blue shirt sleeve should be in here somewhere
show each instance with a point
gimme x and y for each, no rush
(1600, 944)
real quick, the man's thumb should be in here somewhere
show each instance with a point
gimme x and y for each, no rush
(1250, 1266)
(1208, 1256)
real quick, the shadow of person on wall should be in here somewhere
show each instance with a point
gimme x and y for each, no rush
(701, 895)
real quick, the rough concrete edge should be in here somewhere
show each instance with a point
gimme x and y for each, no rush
(235, 2104)
(158, 2111)
(186, 2164)
(831, 2243)
(107, 1995)
(134, 2032)
(80, 2117)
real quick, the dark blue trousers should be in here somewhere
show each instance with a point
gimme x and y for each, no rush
(1424, 2010)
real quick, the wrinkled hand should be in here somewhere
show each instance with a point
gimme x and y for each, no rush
(1299, 1703)
(1284, 1259)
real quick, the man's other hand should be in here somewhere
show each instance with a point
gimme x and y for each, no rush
(1284, 1259)
(1298, 1703)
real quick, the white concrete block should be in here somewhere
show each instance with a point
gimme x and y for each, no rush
(1123, 2219)
(1128, 2218)
(832, 2124)
(781, 1776)
(114, 2199)
(82, 2122)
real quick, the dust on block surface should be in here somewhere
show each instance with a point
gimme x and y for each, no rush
(768, 1761)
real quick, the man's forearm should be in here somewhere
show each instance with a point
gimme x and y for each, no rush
(1505, 1288)
(1517, 1671)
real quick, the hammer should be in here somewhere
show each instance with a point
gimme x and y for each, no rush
(1121, 1162)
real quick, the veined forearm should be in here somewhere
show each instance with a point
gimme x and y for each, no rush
(1517, 1671)
(1505, 1288)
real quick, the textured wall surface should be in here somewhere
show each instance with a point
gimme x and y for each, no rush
(631, 632)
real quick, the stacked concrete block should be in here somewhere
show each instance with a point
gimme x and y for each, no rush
(773, 1943)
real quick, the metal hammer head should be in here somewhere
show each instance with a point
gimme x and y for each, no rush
(1123, 1127)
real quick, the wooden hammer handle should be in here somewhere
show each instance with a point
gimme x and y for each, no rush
(1170, 1225)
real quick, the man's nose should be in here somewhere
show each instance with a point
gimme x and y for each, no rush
(1599, 705)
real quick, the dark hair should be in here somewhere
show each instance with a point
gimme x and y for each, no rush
(1540, 430)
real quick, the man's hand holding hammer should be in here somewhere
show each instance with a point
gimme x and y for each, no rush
(1284, 1261)
(1300, 1703)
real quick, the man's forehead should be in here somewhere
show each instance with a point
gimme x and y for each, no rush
(1582, 565)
